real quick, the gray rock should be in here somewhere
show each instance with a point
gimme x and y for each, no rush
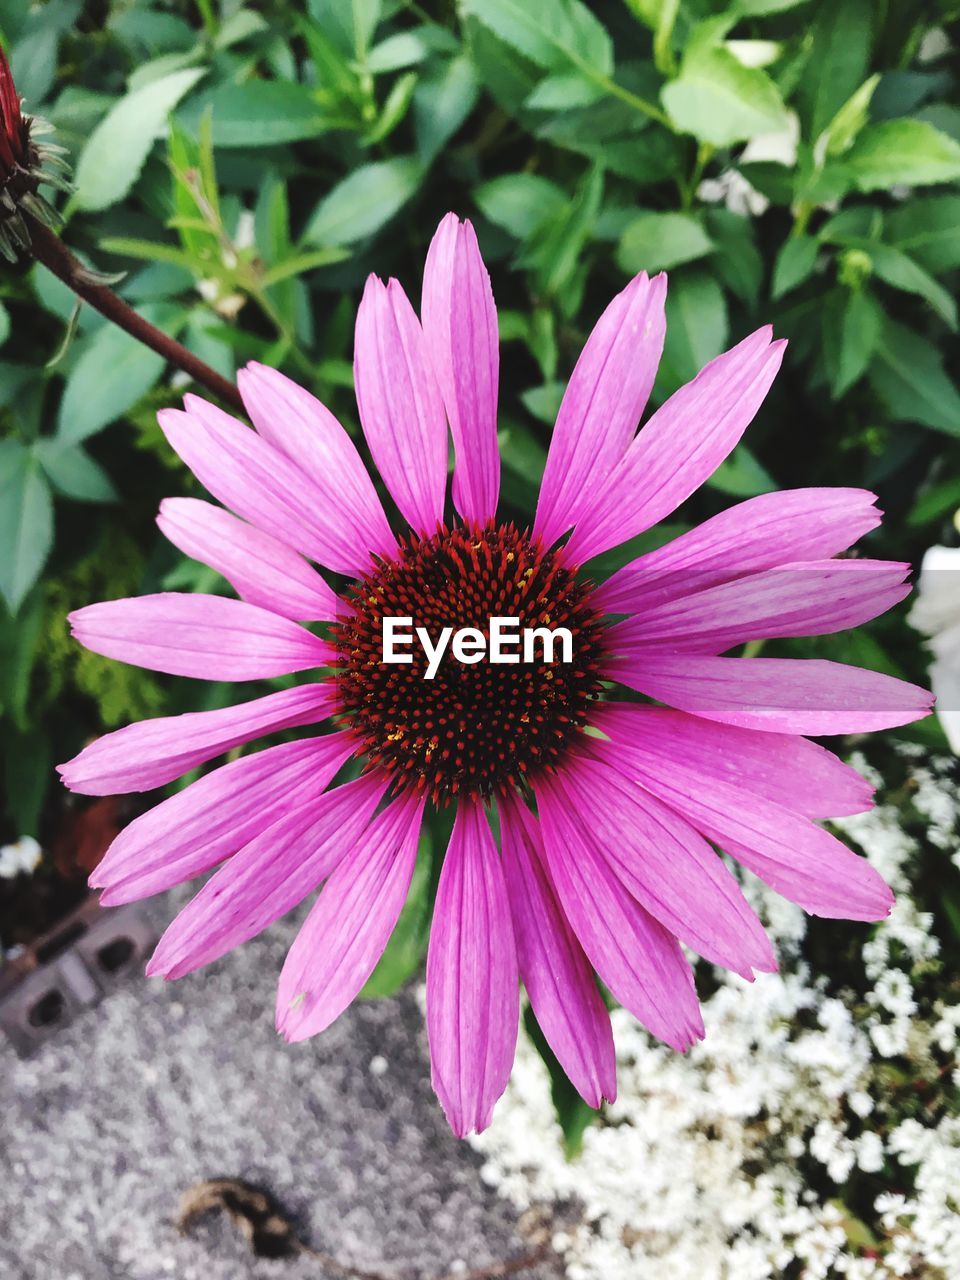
(166, 1084)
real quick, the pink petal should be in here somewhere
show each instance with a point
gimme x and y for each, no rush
(400, 405)
(810, 599)
(556, 973)
(789, 770)
(345, 933)
(473, 1001)
(215, 816)
(145, 755)
(460, 324)
(267, 877)
(761, 533)
(258, 482)
(680, 447)
(208, 637)
(791, 695)
(637, 958)
(299, 426)
(263, 570)
(603, 403)
(659, 859)
(796, 858)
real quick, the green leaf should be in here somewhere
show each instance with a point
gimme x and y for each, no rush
(573, 1114)
(73, 472)
(793, 265)
(896, 269)
(26, 522)
(852, 321)
(935, 502)
(562, 91)
(507, 74)
(520, 202)
(351, 25)
(522, 452)
(301, 262)
(28, 771)
(543, 403)
(850, 119)
(659, 241)
(111, 375)
(760, 8)
(928, 229)
(442, 102)
(838, 61)
(555, 34)
(697, 328)
(405, 49)
(394, 109)
(720, 101)
(364, 201)
(116, 150)
(556, 253)
(737, 260)
(741, 475)
(19, 640)
(908, 375)
(408, 942)
(265, 113)
(910, 152)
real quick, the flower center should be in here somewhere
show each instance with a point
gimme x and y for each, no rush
(475, 725)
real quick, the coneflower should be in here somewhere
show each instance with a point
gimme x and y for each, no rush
(611, 810)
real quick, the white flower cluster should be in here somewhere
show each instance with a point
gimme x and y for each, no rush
(22, 856)
(739, 1161)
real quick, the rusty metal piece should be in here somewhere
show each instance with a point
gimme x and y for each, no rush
(70, 968)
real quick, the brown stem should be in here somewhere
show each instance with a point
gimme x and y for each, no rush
(57, 258)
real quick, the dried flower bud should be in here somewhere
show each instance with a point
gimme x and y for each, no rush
(24, 165)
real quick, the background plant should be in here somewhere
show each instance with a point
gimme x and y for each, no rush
(246, 166)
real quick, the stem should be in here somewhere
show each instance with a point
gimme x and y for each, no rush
(58, 259)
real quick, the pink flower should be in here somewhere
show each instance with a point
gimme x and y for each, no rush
(617, 868)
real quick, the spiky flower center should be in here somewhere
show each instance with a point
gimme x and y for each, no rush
(474, 727)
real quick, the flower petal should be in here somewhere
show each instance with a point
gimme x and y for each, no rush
(789, 695)
(400, 404)
(345, 933)
(473, 1001)
(260, 483)
(799, 860)
(603, 403)
(208, 637)
(298, 425)
(557, 975)
(148, 754)
(784, 768)
(268, 876)
(761, 533)
(662, 861)
(680, 447)
(807, 599)
(460, 324)
(637, 958)
(215, 816)
(263, 570)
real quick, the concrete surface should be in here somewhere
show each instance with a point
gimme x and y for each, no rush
(165, 1084)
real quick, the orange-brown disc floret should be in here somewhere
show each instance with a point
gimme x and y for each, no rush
(474, 727)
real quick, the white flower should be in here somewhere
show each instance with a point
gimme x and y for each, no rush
(22, 856)
(937, 614)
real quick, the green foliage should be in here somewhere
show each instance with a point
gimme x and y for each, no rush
(245, 167)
